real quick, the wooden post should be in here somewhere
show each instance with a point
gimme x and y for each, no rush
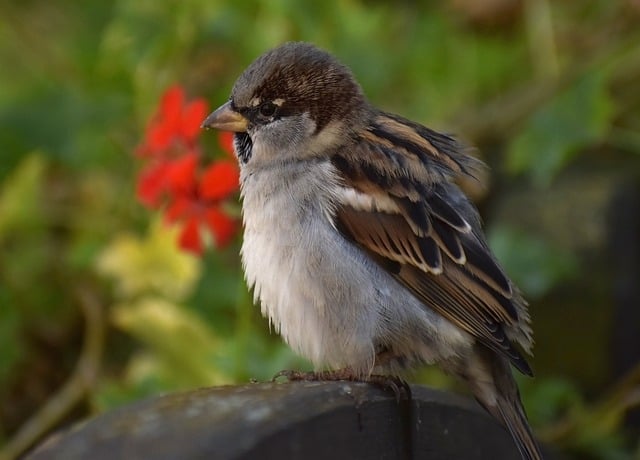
(302, 420)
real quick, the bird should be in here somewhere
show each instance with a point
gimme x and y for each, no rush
(361, 249)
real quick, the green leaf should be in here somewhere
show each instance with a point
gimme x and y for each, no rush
(575, 119)
(20, 196)
(534, 264)
(154, 263)
(181, 349)
(548, 399)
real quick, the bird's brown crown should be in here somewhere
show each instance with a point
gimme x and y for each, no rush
(299, 78)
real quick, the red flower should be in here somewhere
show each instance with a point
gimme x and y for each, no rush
(151, 184)
(193, 193)
(175, 124)
(197, 202)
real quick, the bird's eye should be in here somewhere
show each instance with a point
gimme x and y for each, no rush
(268, 109)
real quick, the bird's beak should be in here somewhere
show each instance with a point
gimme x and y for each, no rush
(226, 119)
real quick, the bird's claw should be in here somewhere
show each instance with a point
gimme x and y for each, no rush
(296, 376)
(322, 376)
(398, 386)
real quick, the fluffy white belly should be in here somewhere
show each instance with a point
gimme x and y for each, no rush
(298, 275)
(330, 302)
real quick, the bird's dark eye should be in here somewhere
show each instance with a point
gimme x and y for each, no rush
(268, 109)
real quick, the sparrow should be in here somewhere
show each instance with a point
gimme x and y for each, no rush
(361, 249)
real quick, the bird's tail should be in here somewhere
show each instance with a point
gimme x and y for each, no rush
(495, 388)
(513, 417)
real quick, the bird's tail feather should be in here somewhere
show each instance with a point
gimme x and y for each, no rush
(514, 419)
(491, 380)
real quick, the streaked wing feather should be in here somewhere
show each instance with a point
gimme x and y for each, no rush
(449, 241)
(447, 214)
(389, 235)
(482, 265)
(398, 207)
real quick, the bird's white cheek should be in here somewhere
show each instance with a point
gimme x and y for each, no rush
(288, 136)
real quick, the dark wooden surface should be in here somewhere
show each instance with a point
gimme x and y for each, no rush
(310, 420)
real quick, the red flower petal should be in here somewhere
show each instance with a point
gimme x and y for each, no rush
(189, 238)
(151, 184)
(159, 136)
(179, 208)
(222, 226)
(181, 176)
(165, 124)
(192, 118)
(219, 180)
(175, 120)
(225, 140)
(171, 105)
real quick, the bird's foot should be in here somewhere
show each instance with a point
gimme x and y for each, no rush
(321, 376)
(398, 386)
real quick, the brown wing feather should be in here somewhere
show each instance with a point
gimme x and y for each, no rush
(425, 233)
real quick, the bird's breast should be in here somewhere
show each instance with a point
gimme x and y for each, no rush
(301, 269)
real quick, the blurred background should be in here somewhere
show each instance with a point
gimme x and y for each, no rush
(111, 292)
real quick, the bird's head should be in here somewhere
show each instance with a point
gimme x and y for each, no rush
(294, 101)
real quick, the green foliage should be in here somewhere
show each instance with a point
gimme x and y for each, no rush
(80, 80)
(534, 265)
(9, 337)
(20, 214)
(153, 265)
(19, 198)
(549, 400)
(577, 118)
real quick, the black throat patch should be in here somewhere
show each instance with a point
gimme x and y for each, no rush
(243, 146)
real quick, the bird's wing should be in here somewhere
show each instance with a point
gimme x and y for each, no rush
(397, 202)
